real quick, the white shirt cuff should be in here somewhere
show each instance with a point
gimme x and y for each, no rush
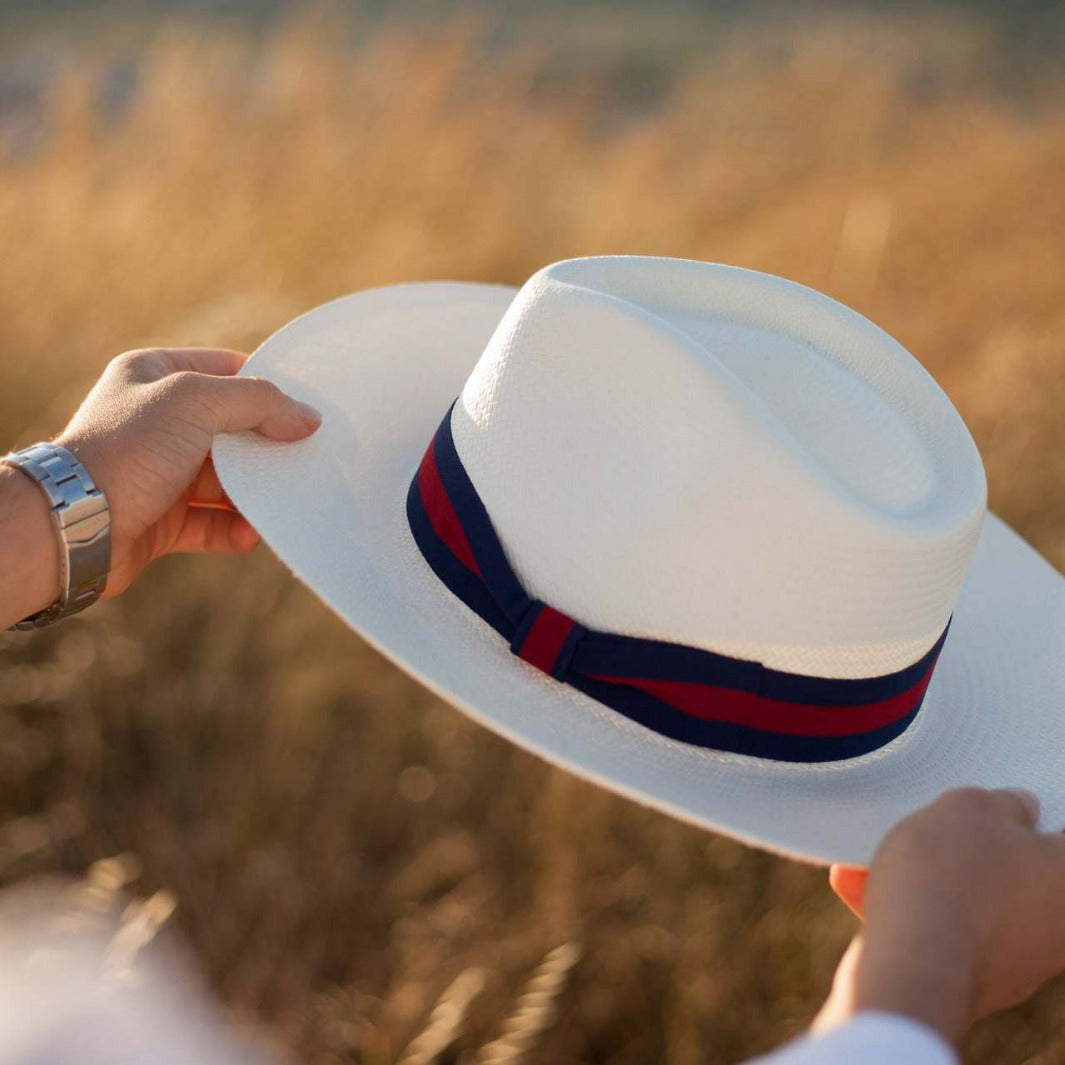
(869, 1038)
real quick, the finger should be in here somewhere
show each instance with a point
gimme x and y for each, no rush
(214, 532)
(838, 1003)
(203, 504)
(848, 883)
(206, 490)
(1021, 804)
(242, 403)
(216, 362)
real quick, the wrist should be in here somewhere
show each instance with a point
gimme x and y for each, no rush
(29, 548)
(924, 978)
(81, 531)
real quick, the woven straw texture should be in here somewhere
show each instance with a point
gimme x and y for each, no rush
(384, 366)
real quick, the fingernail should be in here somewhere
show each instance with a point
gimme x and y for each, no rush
(1029, 798)
(309, 414)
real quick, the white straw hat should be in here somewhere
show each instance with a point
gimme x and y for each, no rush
(695, 533)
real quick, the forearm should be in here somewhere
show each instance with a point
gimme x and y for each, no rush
(29, 549)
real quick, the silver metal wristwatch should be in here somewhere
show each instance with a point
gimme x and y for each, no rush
(83, 524)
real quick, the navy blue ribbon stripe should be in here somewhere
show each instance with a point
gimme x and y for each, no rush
(686, 693)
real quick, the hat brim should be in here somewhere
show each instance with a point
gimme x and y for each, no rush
(383, 366)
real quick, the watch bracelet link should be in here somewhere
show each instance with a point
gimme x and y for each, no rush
(83, 525)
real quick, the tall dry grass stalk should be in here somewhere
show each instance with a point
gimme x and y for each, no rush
(445, 1022)
(536, 1009)
(255, 756)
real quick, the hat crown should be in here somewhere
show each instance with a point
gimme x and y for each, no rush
(724, 459)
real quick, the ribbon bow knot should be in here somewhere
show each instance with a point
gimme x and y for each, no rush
(547, 639)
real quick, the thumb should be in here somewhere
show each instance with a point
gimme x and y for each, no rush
(242, 403)
(1020, 804)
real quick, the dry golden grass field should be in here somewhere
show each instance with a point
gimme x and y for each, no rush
(340, 845)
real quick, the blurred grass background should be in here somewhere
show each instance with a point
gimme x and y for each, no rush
(341, 845)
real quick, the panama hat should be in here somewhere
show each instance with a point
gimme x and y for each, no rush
(698, 534)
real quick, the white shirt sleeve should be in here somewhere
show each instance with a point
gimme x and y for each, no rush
(869, 1038)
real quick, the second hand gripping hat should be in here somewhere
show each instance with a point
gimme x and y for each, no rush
(698, 534)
